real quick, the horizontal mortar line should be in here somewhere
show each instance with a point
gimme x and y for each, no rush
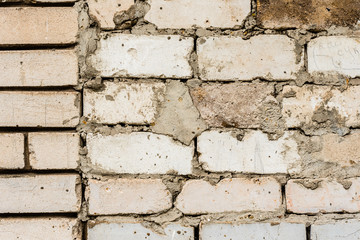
(15, 47)
(65, 88)
(38, 215)
(36, 4)
(27, 172)
(36, 129)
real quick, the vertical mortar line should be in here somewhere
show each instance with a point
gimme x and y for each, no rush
(283, 195)
(26, 152)
(197, 232)
(305, 57)
(308, 233)
(195, 65)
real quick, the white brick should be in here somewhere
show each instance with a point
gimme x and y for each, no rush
(232, 58)
(334, 54)
(45, 109)
(54, 150)
(127, 55)
(132, 230)
(205, 13)
(341, 230)
(255, 153)
(133, 103)
(38, 68)
(229, 195)
(301, 105)
(12, 151)
(38, 25)
(103, 11)
(329, 196)
(40, 193)
(282, 231)
(139, 152)
(39, 228)
(114, 196)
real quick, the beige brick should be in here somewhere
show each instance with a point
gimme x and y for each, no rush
(229, 195)
(54, 150)
(12, 151)
(132, 103)
(113, 229)
(40, 228)
(201, 13)
(45, 109)
(38, 25)
(40, 193)
(317, 104)
(103, 11)
(347, 229)
(233, 104)
(126, 55)
(325, 196)
(38, 68)
(123, 196)
(338, 149)
(271, 57)
(307, 13)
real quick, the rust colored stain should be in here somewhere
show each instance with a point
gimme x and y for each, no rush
(310, 14)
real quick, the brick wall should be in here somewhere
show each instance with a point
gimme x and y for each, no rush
(181, 119)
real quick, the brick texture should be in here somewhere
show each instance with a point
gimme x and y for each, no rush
(141, 196)
(38, 68)
(31, 25)
(12, 151)
(40, 194)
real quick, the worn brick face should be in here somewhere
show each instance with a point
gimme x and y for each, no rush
(229, 195)
(307, 13)
(323, 196)
(12, 151)
(233, 104)
(40, 193)
(114, 196)
(32, 109)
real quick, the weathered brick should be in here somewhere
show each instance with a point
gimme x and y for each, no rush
(339, 149)
(113, 230)
(103, 11)
(38, 25)
(40, 193)
(40, 228)
(132, 103)
(271, 57)
(54, 150)
(317, 104)
(233, 104)
(114, 196)
(255, 153)
(206, 13)
(323, 195)
(229, 195)
(282, 231)
(139, 152)
(45, 109)
(38, 68)
(128, 55)
(307, 13)
(334, 55)
(340, 230)
(12, 151)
